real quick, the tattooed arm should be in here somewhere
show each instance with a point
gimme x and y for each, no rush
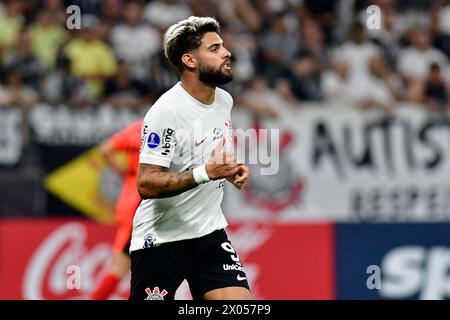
(155, 182)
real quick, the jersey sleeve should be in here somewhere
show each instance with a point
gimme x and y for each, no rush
(158, 137)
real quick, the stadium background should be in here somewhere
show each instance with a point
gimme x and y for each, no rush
(363, 184)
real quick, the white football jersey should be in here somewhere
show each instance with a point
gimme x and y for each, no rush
(180, 133)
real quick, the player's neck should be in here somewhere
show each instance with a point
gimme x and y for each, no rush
(197, 89)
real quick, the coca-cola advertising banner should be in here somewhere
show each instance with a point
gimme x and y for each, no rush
(38, 256)
(347, 165)
(65, 259)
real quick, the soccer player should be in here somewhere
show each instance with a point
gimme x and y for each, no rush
(186, 155)
(128, 141)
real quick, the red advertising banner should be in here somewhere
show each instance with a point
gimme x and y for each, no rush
(65, 259)
(287, 261)
(37, 257)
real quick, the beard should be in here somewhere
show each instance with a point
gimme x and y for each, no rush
(213, 77)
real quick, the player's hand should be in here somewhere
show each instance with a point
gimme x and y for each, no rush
(240, 179)
(221, 164)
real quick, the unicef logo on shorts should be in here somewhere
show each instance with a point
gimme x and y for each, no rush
(153, 140)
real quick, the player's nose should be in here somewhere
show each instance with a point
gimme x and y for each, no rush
(227, 54)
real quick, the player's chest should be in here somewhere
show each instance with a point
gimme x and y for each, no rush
(205, 131)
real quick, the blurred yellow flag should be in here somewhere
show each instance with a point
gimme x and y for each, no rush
(88, 184)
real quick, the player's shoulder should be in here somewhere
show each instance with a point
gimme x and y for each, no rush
(224, 97)
(164, 104)
(160, 115)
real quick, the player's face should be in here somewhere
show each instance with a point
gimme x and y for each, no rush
(214, 60)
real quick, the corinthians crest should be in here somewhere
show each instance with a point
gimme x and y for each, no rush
(279, 191)
(155, 294)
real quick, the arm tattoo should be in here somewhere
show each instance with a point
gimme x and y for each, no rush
(161, 184)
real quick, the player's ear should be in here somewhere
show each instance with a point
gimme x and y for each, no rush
(189, 60)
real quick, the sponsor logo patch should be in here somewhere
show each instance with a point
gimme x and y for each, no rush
(167, 137)
(153, 140)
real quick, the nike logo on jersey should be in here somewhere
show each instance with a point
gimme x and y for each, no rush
(240, 278)
(197, 143)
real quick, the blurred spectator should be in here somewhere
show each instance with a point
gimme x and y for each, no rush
(286, 41)
(242, 47)
(47, 37)
(15, 93)
(306, 77)
(88, 7)
(356, 54)
(10, 26)
(260, 99)
(61, 87)
(91, 58)
(135, 42)
(163, 13)
(414, 62)
(309, 63)
(22, 60)
(387, 78)
(313, 41)
(440, 33)
(112, 11)
(335, 82)
(57, 10)
(279, 46)
(123, 91)
(162, 75)
(283, 87)
(442, 8)
(388, 37)
(323, 11)
(345, 19)
(30, 9)
(204, 8)
(435, 92)
(103, 31)
(241, 15)
(380, 89)
(263, 100)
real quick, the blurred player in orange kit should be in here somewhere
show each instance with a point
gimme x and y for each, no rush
(128, 140)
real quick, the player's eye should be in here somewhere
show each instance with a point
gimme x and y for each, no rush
(215, 48)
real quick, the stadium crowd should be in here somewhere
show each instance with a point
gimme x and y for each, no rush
(285, 52)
